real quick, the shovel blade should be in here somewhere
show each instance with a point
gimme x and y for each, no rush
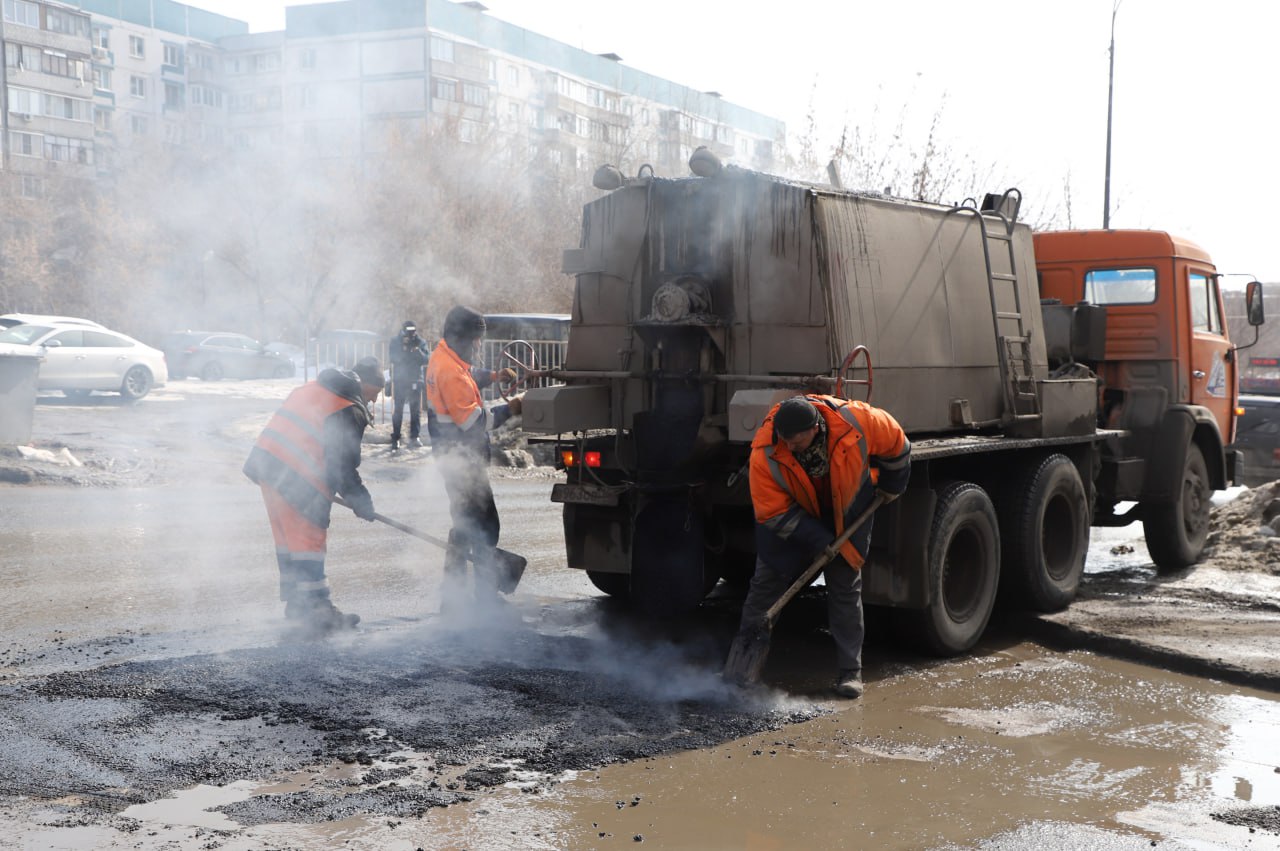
(746, 659)
(508, 568)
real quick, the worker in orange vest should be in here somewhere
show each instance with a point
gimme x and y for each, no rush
(816, 464)
(459, 424)
(310, 451)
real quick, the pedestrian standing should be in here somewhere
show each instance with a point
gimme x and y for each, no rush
(308, 453)
(409, 354)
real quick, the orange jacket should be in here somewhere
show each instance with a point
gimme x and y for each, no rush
(866, 448)
(310, 448)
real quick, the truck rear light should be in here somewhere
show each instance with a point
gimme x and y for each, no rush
(571, 459)
(1240, 411)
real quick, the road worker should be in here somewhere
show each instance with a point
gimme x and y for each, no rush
(458, 423)
(408, 355)
(308, 453)
(816, 464)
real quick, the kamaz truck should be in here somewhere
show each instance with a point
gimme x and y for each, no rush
(1048, 382)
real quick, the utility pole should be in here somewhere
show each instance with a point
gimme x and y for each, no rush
(1111, 86)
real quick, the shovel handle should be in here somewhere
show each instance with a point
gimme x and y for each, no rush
(396, 524)
(821, 561)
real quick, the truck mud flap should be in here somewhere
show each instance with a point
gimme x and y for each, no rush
(897, 572)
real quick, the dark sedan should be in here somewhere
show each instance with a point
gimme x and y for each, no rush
(1258, 437)
(214, 355)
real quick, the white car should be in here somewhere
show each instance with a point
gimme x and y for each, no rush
(11, 319)
(79, 359)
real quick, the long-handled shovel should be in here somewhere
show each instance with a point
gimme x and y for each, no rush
(507, 566)
(750, 650)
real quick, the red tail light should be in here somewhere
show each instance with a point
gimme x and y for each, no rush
(571, 459)
(592, 459)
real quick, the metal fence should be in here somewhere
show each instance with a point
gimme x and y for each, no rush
(549, 354)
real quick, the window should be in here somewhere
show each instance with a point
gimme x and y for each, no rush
(1120, 286)
(513, 75)
(513, 112)
(173, 96)
(75, 109)
(102, 79)
(73, 339)
(101, 339)
(266, 62)
(21, 56)
(138, 125)
(173, 55)
(22, 12)
(307, 59)
(1204, 304)
(24, 144)
(441, 49)
(65, 150)
(32, 186)
(474, 94)
(445, 89)
(24, 102)
(102, 38)
(137, 47)
(59, 21)
(138, 86)
(102, 120)
(203, 61)
(60, 65)
(205, 96)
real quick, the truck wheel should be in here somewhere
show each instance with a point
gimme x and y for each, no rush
(964, 569)
(1044, 535)
(668, 559)
(616, 585)
(1176, 531)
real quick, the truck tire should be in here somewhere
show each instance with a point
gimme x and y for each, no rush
(1044, 535)
(1176, 531)
(616, 585)
(964, 570)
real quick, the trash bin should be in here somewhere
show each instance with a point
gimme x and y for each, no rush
(18, 371)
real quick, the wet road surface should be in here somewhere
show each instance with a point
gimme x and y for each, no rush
(149, 698)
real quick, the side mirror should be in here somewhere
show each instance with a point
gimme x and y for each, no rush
(1253, 303)
(52, 344)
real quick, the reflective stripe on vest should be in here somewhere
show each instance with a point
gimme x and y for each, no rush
(295, 434)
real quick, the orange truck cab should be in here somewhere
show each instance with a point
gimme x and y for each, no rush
(1167, 375)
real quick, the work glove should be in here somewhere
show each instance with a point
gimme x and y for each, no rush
(886, 496)
(507, 375)
(362, 505)
(515, 405)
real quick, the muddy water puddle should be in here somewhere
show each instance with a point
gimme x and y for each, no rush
(1014, 748)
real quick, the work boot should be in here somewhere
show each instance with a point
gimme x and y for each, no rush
(323, 618)
(849, 684)
(395, 444)
(415, 443)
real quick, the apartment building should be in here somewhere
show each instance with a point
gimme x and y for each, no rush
(90, 80)
(46, 123)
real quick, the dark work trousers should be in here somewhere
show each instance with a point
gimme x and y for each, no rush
(475, 521)
(844, 605)
(406, 393)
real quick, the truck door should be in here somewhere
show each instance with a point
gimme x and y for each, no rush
(1212, 375)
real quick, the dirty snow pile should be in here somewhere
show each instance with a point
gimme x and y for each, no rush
(1244, 534)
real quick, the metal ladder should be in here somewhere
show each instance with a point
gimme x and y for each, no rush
(1013, 338)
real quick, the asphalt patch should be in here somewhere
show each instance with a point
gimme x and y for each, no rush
(420, 721)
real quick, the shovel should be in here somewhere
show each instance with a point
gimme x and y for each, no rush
(507, 566)
(750, 650)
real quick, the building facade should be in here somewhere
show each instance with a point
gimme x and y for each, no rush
(90, 81)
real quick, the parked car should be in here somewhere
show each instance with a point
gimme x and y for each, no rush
(11, 319)
(1258, 437)
(79, 359)
(214, 355)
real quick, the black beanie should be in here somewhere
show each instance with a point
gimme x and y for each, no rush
(463, 322)
(795, 415)
(369, 371)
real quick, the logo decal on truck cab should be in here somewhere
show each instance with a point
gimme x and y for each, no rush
(1217, 378)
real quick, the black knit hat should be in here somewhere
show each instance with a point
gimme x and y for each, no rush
(369, 371)
(795, 415)
(464, 322)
